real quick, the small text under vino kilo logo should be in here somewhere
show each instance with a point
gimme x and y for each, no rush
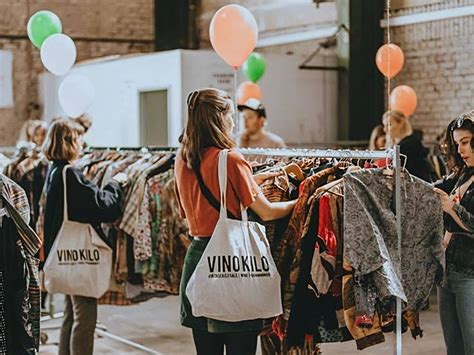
(233, 266)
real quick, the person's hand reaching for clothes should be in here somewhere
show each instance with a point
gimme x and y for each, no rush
(262, 177)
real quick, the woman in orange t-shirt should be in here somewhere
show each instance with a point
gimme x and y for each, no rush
(208, 131)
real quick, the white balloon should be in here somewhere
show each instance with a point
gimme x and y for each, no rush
(76, 94)
(58, 53)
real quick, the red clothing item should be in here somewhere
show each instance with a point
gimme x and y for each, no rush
(241, 189)
(325, 231)
(323, 265)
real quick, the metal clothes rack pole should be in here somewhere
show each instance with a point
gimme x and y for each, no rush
(131, 149)
(320, 153)
(398, 211)
(393, 154)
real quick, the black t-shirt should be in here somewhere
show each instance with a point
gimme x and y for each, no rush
(417, 162)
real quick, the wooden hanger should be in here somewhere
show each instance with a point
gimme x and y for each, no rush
(295, 170)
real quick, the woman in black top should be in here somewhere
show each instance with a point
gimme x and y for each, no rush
(456, 295)
(88, 204)
(399, 132)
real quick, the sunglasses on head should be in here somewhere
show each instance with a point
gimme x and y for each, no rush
(460, 122)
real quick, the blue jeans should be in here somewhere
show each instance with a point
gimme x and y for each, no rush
(456, 309)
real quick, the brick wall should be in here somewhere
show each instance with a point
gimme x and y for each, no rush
(439, 65)
(98, 27)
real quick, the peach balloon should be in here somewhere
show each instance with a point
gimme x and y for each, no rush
(248, 90)
(233, 33)
(403, 98)
(390, 60)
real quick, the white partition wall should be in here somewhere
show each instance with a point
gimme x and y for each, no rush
(301, 104)
(118, 83)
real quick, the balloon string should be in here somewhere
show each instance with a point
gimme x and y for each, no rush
(388, 59)
(236, 112)
(389, 75)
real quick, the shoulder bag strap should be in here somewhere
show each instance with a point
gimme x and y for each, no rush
(66, 214)
(208, 194)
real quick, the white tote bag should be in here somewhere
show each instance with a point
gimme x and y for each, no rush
(236, 278)
(80, 262)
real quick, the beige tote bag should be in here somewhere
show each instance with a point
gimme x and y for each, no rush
(80, 262)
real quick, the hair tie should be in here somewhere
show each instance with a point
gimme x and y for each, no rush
(192, 98)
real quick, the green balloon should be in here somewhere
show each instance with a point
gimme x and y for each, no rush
(254, 67)
(42, 25)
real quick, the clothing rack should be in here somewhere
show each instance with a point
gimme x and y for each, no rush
(393, 154)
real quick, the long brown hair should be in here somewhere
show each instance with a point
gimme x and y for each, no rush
(62, 141)
(465, 122)
(377, 132)
(206, 127)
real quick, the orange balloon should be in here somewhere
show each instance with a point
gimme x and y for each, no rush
(233, 33)
(403, 98)
(248, 90)
(390, 60)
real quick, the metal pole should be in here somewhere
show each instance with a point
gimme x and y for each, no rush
(127, 342)
(398, 209)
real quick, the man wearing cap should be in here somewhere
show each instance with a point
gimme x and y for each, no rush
(254, 135)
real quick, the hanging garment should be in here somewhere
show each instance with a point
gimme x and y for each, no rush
(364, 337)
(3, 324)
(29, 171)
(11, 171)
(161, 244)
(275, 190)
(172, 242)
(323, 266)
(19, 246)
(371, 241)
(336, 202)
(311, 311)
(290, 251)
(118, 167)
(134, 197)
(19, 330)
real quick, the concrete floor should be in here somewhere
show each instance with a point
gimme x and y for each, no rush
(155, 324)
